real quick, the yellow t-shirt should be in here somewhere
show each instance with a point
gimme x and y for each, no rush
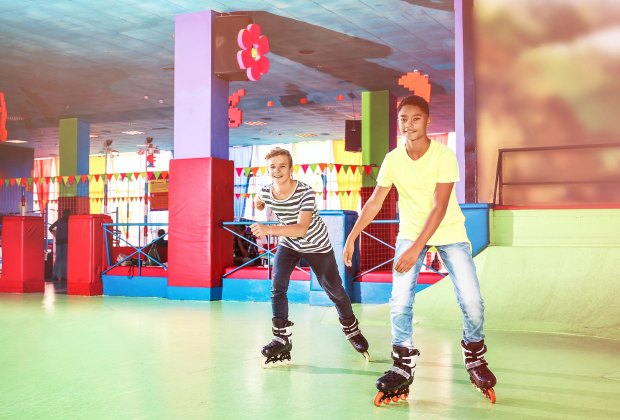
(415, 181)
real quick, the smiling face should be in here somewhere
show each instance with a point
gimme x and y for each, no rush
(413, 122)
(280, 169)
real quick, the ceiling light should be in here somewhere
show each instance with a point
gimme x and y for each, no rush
(17, 141)
(15, 118)
(93, 136)
(305, 135)
(132, 133)
(255, 123)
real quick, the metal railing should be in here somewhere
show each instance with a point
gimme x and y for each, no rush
(267, 252)
(385, 222)
(138, 253)
(500, 183)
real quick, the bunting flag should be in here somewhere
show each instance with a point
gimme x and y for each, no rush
(305, 167)
(239, 171)
(322, 167)
(338, 167)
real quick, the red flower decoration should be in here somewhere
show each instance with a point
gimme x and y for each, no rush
(253, 46)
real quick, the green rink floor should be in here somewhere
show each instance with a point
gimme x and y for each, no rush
(68, 357)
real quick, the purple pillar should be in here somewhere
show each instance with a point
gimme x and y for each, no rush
(200, 97)
(465, 100)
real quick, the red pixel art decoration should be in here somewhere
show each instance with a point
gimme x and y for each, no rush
(235, 115)
(254, 48)
(417, 83)
(3, 115)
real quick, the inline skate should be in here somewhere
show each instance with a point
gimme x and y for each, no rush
(394, 385)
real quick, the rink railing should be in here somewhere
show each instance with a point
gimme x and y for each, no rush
(138, 252)
(267, 253)
(381, 241)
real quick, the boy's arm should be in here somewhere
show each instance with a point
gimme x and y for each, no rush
(440, 205)
(297, 230)
(369, 212)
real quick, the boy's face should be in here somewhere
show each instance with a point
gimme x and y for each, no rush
(279, 169)
(413, 122)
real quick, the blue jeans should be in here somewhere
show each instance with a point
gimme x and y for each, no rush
(458, 260)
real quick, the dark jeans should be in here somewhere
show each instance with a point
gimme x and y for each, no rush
(326, 270)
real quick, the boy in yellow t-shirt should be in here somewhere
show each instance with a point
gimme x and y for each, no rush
(424, 173)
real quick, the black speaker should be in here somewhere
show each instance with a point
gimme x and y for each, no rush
(353, 135)
(225, 47)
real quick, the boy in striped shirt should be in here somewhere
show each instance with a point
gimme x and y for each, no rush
(303, 234)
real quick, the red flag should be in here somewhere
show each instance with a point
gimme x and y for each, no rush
(338, 167)
(239, 171)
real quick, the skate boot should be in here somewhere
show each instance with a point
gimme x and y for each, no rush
(278, 352)
(479, 374)
(351, 328)
(394, 385)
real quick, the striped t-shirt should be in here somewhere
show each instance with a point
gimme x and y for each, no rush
(287, 211)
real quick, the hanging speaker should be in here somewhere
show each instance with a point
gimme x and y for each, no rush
(353, 135)
(225, 47)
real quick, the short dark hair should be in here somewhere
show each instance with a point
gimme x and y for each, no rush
(415, 100)
(160, 232)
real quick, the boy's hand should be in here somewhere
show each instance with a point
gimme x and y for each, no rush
(258, 229)
(260, 204)
(347, 254)
(407, 260)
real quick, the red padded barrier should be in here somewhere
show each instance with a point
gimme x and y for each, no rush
(86, 254)
(201, 193)
(22, 255)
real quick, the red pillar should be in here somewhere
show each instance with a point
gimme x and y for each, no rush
(199, 249)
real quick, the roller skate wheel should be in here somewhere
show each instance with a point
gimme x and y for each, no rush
(366, 356)
(490, 395)
(395, 398)
(378, 398)
(404, 396)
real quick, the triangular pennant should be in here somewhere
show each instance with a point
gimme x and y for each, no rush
(136, 175)
(353, 168)
(164, 175)
(305, 167)
(254, 170)
(157, 174)
(330, 166)
(246, 171)
(84, 178)
(12, 182)
(338, 167)
(123, 175)
(47, 179)
(322, 166)
(150, 176)
(262, 170)
(72, 179)
(320, 193)
(109, 176)
(141, 198)
(346, 168)
(313, 167)
(239, 171)
(65, 179)
(237, 196)
(348, 192)
(296, 168)
(29, 181)
(367, 169)
(96, 176)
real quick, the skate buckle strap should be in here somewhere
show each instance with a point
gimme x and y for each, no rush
(281, 331)
(353, 334)
(401, 372)
(279, 340)
(475, 363)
